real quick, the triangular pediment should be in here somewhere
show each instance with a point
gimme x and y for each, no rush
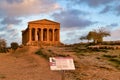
(44, 21)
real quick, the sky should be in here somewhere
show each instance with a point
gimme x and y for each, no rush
(77, 17)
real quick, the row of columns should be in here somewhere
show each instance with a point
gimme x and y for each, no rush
(38, 34)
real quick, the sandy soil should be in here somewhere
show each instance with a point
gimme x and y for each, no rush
(24, 64)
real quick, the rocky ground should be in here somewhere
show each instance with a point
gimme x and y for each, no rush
(24, 64)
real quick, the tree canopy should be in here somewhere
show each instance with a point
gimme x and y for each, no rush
(14, 45)
(3, 46)
(2, 43)
(96, 35)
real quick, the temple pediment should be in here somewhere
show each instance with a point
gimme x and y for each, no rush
(44, 21)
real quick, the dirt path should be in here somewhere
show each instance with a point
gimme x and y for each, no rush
(27, 66)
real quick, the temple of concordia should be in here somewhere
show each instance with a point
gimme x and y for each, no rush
(41, 32)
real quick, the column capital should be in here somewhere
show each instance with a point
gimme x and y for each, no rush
(29, 28)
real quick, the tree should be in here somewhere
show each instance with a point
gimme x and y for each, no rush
(3, 45)
(14, 45)
(103, 33)
(96, 35)
(82, 37)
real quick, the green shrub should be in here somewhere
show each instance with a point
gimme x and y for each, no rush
(116, 61)
(2, 76)
(63, 55)
(109, 56)
(3, 50)
(14, 45)
(39, 52)
(3, 44)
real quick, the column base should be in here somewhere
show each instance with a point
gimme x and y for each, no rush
(44, 43)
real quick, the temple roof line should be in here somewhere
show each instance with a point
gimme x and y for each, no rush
(42, 21)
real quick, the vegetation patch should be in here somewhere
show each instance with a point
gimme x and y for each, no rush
(14, 45)
(2, 76)
(20, 52)
(114, 60)
(87, 52)
(61, 55)
(117, 61)
(39, 52)
(109, 56)
(49, 53)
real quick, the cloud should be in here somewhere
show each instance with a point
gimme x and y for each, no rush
(117, 10)
(27, 7)
(10, 33)
(11, 10)
(113, 25)
(93, 3)
(71, 41)
(14, 1)
(72, 37)
(107, 5)
(72, 19)
(106, 9)
(114, 35)
(10, 20)
(2, 29)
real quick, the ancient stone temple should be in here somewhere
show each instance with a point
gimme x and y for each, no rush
(41, 32)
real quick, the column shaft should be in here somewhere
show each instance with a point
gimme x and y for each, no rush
(41, 35)
(36, 36)
(30, 35)
(58, 35)
(47, 34)
(53, 35)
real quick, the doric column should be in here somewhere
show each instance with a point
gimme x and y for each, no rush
(58, 34)
(47, 34)
(36, 36)
(53, 35)
(41, 34)
(30, 39)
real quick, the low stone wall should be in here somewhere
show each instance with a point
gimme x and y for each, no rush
(104, 47)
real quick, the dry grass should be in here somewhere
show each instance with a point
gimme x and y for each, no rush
(2, 76)
(24, 64)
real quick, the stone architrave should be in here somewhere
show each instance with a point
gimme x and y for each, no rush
(45, 32)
